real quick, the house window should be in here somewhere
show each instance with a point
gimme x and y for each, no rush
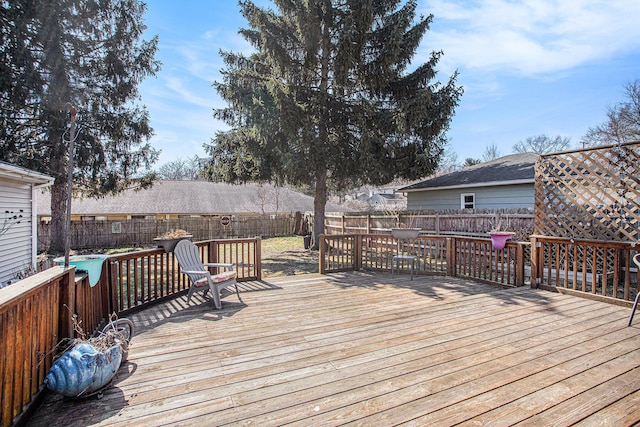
(468, 201)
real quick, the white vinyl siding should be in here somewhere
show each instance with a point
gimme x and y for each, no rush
(16, 243)
(495, 197)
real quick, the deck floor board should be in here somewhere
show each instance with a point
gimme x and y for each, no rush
(368, 349)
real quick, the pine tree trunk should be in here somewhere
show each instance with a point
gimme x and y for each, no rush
(58, 217)
(319, 205)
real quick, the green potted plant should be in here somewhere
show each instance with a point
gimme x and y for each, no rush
(170, 239)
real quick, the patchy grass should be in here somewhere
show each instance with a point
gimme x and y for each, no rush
(286, 256)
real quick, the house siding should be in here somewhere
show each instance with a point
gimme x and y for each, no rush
(15, 243)
(495, 197)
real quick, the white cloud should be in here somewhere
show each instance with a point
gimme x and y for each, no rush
(531, 37)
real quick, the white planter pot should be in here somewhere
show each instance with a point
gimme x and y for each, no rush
(405, 233)
(169, 244)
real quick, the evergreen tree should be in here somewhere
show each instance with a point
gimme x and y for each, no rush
(84, 53)
(330, 99)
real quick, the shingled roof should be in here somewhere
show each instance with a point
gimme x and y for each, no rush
(194, 198)
(511, 169)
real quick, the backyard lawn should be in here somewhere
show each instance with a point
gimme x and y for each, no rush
(286, 256)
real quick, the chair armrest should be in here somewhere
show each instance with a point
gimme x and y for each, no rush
(218, 264)
(202, 272)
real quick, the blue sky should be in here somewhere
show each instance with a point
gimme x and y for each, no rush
(528, 67)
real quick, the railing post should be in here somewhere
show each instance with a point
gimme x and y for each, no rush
(213, 253)
(322, 247)
(258, 257)
(357, 249)
(519, 264)
(67, 304)
(534, 262)
(451, 256)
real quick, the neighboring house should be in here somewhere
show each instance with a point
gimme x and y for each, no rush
(379, 199)
(506, 182)
(385, 201)
(19, 191)
(175, 199)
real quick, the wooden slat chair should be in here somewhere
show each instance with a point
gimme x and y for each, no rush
(199, 275)
(636, 260)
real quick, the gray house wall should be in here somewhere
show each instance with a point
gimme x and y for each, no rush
(16, 243)
(492, 197)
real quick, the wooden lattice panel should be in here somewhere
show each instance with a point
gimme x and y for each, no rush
(589, 194)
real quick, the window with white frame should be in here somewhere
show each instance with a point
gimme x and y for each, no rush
(467, 201)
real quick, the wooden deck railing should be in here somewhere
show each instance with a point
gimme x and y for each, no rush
(476, 259)
(593, 268)
(602, 270)
(33, 318)
(445, 255)
(378, 251)
(37, 313)
(143, 277)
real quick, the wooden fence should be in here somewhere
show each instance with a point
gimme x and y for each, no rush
(441, 223)
(38, 313)
(139, 233)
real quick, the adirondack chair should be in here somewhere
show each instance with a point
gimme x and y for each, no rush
(188, 257)
(636, 260)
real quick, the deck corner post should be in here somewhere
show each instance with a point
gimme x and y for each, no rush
(357, 255)
(258, 258)
(322, 249)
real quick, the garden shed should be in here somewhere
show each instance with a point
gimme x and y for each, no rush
(19, 191)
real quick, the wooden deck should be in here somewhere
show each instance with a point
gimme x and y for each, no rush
(369, 349)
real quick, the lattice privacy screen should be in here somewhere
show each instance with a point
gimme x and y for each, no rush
(589, 194)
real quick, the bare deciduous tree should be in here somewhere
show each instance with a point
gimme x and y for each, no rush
(181, 170)
(542, 144)
(491, 152)
(623, 121)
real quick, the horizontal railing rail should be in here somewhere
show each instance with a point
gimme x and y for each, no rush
(598, 269)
